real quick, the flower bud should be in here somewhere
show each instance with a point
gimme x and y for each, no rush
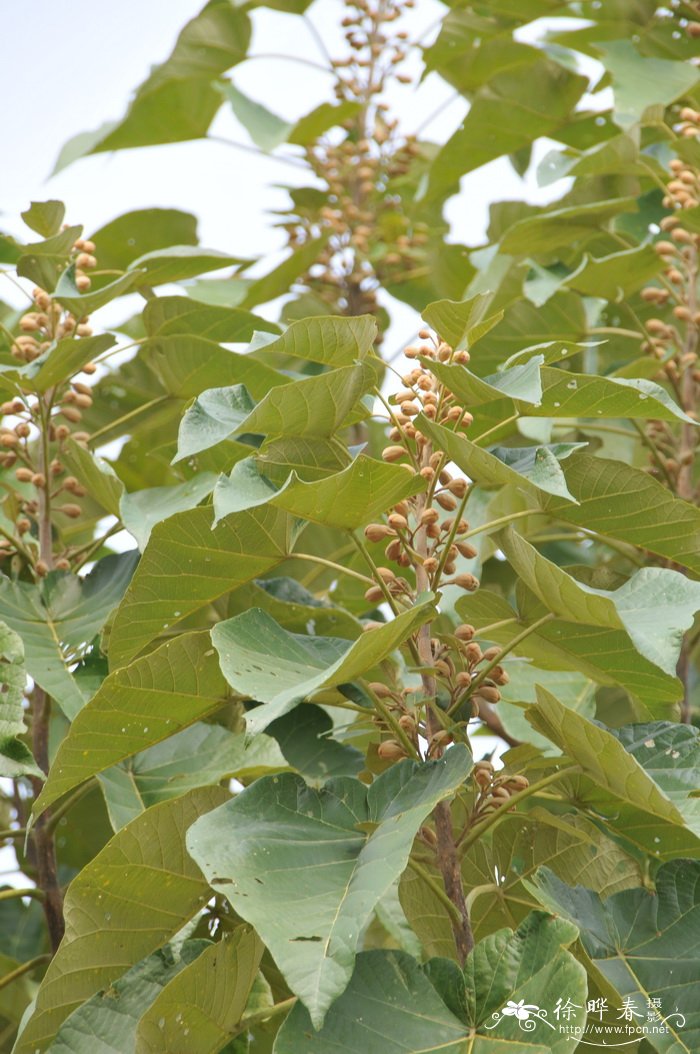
(24, 475)
(465, 632)
(374, 594)
(72, 511)
(397, 521)
(467, 581)
(377, 532)
(380, 690)
(393, 453)
(390, 750)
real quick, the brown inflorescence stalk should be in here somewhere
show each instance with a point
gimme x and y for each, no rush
(33, 444)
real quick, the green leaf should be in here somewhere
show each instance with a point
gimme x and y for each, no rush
(644, 944)
(461, 324)
(186, 565)
(670, 754)
(295, 608)
(656, 632)
(200, 756)
(316, 406)
(79, 304)
(178, 262)
(263, 661)
(389, 1000)
(628, 798)
(135, 707)
(143, 231)
(186, 365)
(532, 965)
(320, 120)
(348, 499)
(64, 359)
(96, 474)
(570, 687)
(517, 106)
(169, 315)
(568, 394)
(45, 217)
(606, 656)
(136, 893)
(616, 276)
(561, 320)
(575, 848)
(143, 509)
(43, 262)
(265, 128)
(255, 861)
(551, 230)
(329, 339)
(310, 458)
(640, 82)
(534, 469)
(521, 382)
(15, 757)
(305, 739)
(206, 1000)
(109, 1020)
(58, 619)
(181, 87)
(622, 502)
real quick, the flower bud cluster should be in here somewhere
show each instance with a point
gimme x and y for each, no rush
(672, 332)
(494, 790)
(369, 239)
(39, 472)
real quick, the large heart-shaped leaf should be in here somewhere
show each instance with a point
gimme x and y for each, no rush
(645, 945)
(110, 1019)
(629, 799)
(347, 499)
(533, 468)
(204, 1001)
(619, 501)
(59, 618)
(316, 406)
(263, 661)
(182, 86)
(135, 707)
(567, 394)
(515, 108)
(199, 756)
(521, 382)
(656, 632)
(606, 656)
(461, 323)
(389, 1000)
(141, 510)
(399, 1007)
(640, 82)
(186, 565)
(187, 364)
(251, 855)
(136, 893)
(670, 754)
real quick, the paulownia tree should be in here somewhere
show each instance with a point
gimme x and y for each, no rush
(244, 771)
